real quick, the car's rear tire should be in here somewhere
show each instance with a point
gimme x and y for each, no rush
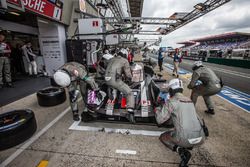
(159, 80)
(51, 96)
(16, 127)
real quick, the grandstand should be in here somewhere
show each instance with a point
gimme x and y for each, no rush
(219, 45)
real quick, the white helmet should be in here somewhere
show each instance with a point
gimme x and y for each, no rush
(123, 52)
(62, 78)
(107, 56)
(175, 84)
(197, 64)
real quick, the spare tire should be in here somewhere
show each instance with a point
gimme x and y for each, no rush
(16, 127)
(51, 96)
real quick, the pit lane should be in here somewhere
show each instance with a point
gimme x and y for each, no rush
(56, 143)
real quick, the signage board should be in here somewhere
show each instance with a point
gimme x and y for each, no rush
(90, 26)
(43, 7)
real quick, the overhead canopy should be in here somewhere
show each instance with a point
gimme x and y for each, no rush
(136, 7)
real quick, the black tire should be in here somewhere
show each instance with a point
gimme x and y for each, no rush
(51, 96)
(16, 127)
(159, 80)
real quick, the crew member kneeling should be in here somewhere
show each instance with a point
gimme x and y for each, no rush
(180, 112)
(70, 75)
(209, 85)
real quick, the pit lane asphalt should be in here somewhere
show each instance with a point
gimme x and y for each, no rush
(234, 77)
(227, 145)
(63, 147)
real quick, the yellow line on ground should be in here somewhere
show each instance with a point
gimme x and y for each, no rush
(43, 163)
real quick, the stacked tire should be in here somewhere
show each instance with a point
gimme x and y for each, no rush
(51, 96)
(16, 127)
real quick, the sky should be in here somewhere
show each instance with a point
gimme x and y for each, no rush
(233, 16)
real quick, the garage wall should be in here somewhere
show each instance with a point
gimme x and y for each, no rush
(52, 43)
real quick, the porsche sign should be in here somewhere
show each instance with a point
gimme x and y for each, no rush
(41, 7)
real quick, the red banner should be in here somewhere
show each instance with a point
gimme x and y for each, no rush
(43, 7)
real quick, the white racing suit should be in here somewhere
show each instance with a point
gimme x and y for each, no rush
(211, 85)
(113, 77)
(31, 59)
(79, 76)
(188, 131)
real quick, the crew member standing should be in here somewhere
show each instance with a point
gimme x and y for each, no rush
(177, 61)
(204, 83)
(5, 62)
(113, 76)
(160, 59)
(180, 112)
(30, 57)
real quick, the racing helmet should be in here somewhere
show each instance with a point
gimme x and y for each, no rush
(175, 86)
(62, 78)
(196, 64)
(123, 52)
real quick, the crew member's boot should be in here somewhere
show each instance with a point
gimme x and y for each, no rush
(76, 116)
(185, 156)
(131, 115)
(210, 111)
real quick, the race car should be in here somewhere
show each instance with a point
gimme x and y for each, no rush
(149, 90)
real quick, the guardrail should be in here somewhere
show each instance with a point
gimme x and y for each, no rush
(230, 62)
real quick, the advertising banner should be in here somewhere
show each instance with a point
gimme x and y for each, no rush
(44, 8)
(41, 7)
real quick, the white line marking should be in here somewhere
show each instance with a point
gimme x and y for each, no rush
(75, 126)
(33, 139)
(132, 152)
(229, 72)
(236, 73)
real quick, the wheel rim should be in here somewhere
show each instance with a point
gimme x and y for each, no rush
(12, 119)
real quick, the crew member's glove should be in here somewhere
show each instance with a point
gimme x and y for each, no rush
(98, 95)
(189, 86)
(110, 94)
(129, 81)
